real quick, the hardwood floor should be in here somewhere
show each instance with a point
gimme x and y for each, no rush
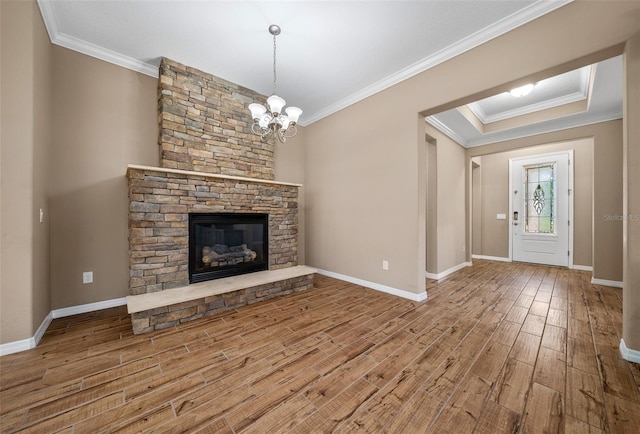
(497, 348)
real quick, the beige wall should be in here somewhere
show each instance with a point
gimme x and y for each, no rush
(450, 199)
(495, 198)
(362, 201)
(289, 166)
(606, 235)
(105, 118)
(631, 207)
(26, 138)
(432, 205)
(364, 160)
(476, 206)
(43, 133)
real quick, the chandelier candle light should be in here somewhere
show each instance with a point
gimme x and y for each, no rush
(274, 122)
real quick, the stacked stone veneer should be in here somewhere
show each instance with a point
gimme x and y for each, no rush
(205, 125)
(168, 316)
(159, 207)
(206, 145)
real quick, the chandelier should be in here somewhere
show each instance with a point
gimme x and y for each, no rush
(273, 122)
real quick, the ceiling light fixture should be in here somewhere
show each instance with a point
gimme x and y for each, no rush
(274, 122)
(522, 90)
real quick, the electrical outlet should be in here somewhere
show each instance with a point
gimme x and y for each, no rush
(87, 277)
(385, 265)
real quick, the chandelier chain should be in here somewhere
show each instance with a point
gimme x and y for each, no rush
(274, 65)
(272, 121)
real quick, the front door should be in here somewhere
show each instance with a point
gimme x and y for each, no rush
(540, 209)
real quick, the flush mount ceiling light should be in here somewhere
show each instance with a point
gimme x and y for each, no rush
(522, 90)
(273, 122)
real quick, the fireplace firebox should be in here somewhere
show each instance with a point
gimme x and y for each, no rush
(227, 244)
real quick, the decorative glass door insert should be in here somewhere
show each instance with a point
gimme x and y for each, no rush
(540, 200)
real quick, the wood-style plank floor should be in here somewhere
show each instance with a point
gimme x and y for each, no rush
(497, 348)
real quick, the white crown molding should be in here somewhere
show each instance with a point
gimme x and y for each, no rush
(478, 112)
(580, 122)
(49, 18)
(376, 286)
(524, 110)
(110, 56)
(84, 47)
(446, 130)
(501, 27)
(587, 76)
(591, 83)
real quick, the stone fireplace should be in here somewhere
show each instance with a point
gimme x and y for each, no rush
(211, 164)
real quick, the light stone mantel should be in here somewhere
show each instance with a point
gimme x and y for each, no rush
(207, 175)
(153, 300)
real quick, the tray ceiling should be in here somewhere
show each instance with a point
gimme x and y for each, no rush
(581, 97)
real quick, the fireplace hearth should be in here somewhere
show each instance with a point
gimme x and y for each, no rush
(227, 244)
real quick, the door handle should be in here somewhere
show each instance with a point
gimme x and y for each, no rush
(515, 223)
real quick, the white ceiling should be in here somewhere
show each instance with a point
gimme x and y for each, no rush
(330, 53)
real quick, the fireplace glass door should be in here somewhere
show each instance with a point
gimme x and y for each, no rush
(227, 244)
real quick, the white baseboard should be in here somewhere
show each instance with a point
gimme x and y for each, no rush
(491, 258)
(89, 307)
(603, 282)
(445, 273)
(16, 346)
(501, 259)
(42, 329)
(581, 267)
(378, 287)
(27, 344)
(628, 353)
